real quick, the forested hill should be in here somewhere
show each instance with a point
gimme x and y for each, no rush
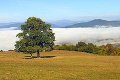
(95, 23)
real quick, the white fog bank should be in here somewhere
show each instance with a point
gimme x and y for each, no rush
(98, 36)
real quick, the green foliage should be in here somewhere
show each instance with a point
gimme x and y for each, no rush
(81, 44)
(30, 49)
(65, 47)
(108, 49)
(35, 35)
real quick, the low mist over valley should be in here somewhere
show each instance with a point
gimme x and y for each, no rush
(98, 36)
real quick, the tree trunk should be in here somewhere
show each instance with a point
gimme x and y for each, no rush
(31, 55)
(38, 54)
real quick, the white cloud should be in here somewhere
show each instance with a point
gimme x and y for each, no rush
(97, 36)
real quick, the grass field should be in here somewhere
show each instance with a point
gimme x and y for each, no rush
(59, 65)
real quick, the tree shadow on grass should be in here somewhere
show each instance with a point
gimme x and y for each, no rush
(29, 57)
(47, 56)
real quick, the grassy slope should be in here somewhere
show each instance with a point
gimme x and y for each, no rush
(64, 65)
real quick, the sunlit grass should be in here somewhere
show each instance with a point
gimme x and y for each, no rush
(59, 65)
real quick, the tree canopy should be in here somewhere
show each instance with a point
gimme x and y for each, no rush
(36, 35)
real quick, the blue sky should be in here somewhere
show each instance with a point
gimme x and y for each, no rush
(50, 10)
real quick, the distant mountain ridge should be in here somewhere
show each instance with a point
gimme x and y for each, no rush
(62, 23)
(94, 23)
(11, 24)
(68, 24)
(18, 25)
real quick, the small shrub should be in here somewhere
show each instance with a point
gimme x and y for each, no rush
(1, 50)
(10, 50)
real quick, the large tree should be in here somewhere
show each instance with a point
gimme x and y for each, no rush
(36, 35)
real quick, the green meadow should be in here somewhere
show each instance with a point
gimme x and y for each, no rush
(58, 65)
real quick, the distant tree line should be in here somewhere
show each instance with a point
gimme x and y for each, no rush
(107, 49)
